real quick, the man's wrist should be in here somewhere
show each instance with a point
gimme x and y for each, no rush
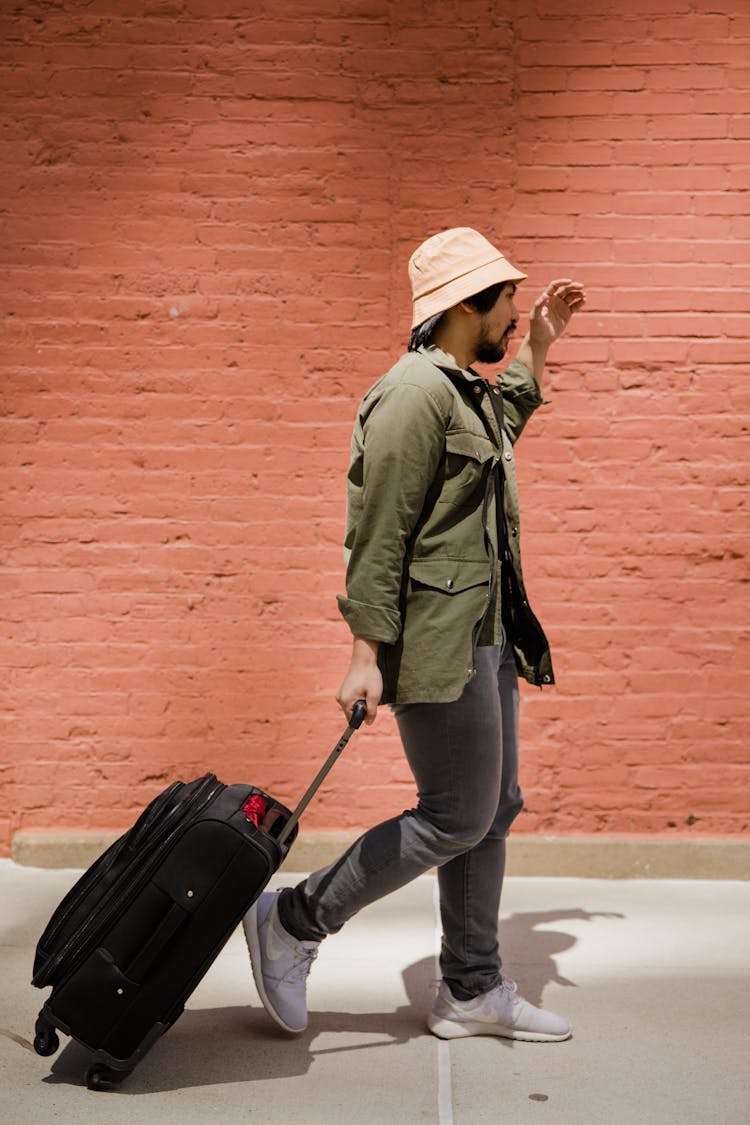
(533, 355)
(365, 651)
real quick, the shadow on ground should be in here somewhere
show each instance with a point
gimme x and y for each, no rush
(216, 1046)
(529, 952)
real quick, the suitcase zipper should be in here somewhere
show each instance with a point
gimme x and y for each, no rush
(102, 866)
(78, 945)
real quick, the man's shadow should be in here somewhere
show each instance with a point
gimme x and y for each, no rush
(213, 1046)
(532, 952)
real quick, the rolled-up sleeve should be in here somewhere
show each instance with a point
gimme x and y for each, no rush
(375, 622)
(397, 447)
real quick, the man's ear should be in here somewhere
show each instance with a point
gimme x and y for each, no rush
(466, 309)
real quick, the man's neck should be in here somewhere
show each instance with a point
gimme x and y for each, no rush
(459, 350)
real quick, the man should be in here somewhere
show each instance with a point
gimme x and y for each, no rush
(441, 622)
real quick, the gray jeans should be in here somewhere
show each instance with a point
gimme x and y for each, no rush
(464, 757)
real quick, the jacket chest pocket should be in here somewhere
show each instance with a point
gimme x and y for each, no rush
(468, 459)
(448, 575)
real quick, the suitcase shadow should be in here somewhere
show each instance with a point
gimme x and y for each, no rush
(215, 1046)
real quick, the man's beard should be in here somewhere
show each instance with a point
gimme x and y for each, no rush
(492, 351)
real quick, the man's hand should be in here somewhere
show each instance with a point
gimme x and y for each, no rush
(362, 681)
(548, 320)
(552, 311)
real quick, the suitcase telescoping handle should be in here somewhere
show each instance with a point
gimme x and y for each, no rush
(358, 714)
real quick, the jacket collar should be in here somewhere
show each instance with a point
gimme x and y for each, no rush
(447, 363)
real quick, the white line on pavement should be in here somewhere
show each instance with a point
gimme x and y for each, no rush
(444, 1090)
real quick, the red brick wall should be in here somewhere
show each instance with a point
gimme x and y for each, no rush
(205, 224)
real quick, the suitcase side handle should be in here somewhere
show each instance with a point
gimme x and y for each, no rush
(358, 714)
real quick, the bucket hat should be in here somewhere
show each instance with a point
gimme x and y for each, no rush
(454, 265)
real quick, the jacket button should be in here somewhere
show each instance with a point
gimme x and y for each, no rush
(508, 456)
(547, 679)
(449, 583)
(496, 390)
(477, 389)
(515, 532)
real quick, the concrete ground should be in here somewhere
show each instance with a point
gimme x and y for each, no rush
(654, 975)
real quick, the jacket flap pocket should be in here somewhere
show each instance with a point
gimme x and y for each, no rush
(468, 444)
(449, 575)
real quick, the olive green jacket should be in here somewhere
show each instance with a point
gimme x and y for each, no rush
(422, 530)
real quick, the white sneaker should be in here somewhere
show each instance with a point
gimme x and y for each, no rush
(501, 1011)
(280, 963)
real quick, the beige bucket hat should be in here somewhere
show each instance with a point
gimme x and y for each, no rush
(454, 265)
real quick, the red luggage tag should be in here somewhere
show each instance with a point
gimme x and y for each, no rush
(255, 809)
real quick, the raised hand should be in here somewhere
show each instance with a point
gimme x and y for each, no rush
(552, 311)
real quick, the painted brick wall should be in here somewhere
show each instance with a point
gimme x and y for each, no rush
(206, 218)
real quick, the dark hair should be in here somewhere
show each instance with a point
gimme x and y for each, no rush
(422, 335)
(486, 299)
(483, 301)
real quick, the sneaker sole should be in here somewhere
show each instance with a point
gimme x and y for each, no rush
(256, 963)
(450, 1029)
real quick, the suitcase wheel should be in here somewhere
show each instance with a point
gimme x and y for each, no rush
(46, 1040)
(101, 1077)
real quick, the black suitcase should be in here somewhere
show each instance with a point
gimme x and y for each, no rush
(136, 934)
